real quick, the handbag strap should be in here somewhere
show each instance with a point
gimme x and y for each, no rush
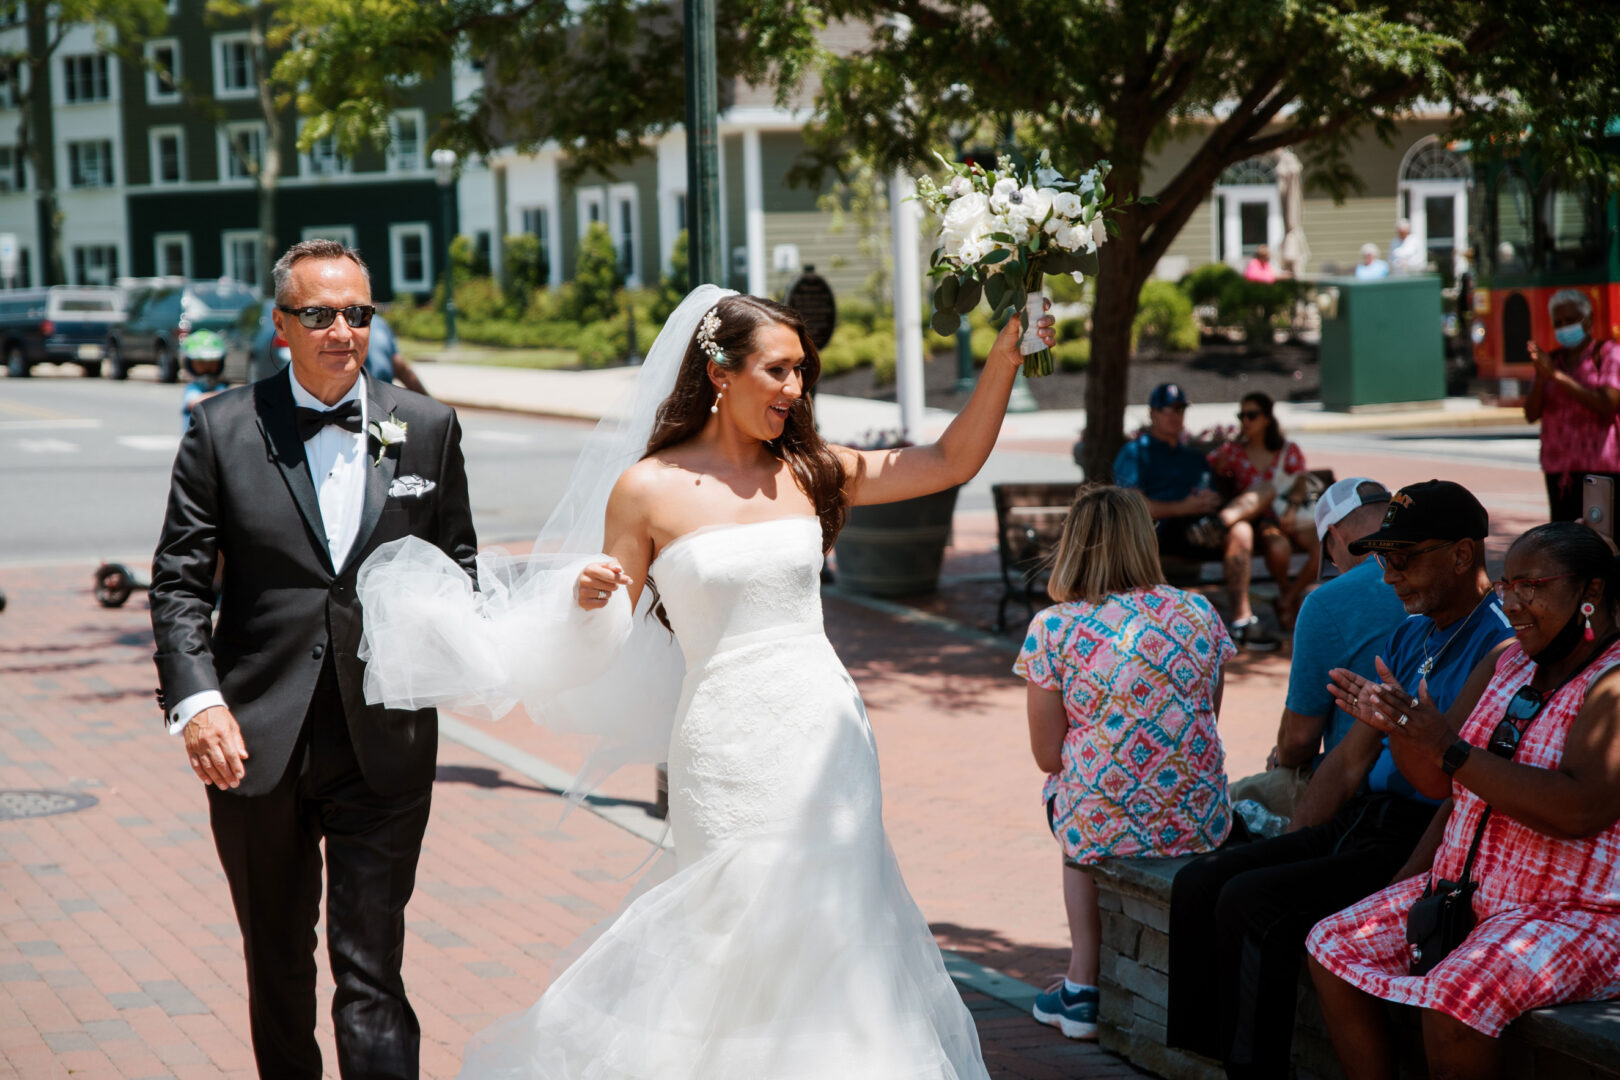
(1479, 833)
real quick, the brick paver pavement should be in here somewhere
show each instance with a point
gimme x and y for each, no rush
(119, 955)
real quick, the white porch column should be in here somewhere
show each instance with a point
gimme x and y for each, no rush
(754, 212)
(908, 334)
(551, 189)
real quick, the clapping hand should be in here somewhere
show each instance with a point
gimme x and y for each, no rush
(1542, 362)
(1388, 707)
(597, 583)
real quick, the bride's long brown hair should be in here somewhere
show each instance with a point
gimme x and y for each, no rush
(816, 468)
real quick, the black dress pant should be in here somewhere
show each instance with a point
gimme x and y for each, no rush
(269, 846)
(1239, 918)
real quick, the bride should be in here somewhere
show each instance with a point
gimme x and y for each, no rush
(785, 944)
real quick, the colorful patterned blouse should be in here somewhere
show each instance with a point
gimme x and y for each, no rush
(1232, 459)
(1573, 437)
(1144, 772)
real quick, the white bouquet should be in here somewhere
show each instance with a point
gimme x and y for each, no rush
(1003, 230)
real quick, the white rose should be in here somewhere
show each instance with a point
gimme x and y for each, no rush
(1099, 232)
(1005, 186)
(1053, 225)
(972, 250)
(1045, 175)
(1066, 204)
(967, 214)
(388, 432)
(1068, 238)
(1030, 204)
(959, 186)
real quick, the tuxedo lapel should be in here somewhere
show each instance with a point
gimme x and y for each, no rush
(379, 472)
(278, 423)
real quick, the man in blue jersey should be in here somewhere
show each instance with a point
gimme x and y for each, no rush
(1239, 916)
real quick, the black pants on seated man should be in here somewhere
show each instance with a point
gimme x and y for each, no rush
(1239, 918)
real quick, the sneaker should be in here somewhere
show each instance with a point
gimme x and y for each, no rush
(1251, 635)
(1075, 1016)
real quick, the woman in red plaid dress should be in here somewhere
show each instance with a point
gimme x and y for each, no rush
(1541, 746)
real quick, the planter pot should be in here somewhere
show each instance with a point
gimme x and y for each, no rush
(895, 549)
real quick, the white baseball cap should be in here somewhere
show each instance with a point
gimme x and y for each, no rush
(1343, 496)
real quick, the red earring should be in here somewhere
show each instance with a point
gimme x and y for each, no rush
(1586, 610)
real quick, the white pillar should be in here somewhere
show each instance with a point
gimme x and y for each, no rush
(754, 212)
(551, 188)
(908, 331)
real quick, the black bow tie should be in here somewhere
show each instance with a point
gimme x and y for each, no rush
(345, 416)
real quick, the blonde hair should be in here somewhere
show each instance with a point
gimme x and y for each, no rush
(1108, 546)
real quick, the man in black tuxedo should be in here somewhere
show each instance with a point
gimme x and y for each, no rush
(293, 481)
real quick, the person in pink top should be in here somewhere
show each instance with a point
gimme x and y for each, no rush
(1576, 396)
(1260, 268)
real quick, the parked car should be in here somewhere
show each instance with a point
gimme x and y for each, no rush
(255, 350)
(161, 314)
(62, 324)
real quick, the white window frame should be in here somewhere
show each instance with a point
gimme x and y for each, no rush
(308, 162)
(404, 163)
(227, 155)
(343, 234)
(155, 94)
(396, 257)
(1230, 221)
(219, 44)
(152, 136)
(73, 261)
(618, 196)
(584, 199)
(160, 240)
(230, 237)
(112, 80)
(108, 175)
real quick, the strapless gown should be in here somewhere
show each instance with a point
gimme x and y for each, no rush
(785, 945)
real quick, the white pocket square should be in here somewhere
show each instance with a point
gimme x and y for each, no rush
(410, 487)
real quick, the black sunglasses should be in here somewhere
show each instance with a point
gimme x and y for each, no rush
(1524, 707)
(1250, 414)
(357, 316)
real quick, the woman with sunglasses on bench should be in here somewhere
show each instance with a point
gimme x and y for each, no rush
(1530, 755)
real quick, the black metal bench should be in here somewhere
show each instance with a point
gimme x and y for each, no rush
(1029, 524)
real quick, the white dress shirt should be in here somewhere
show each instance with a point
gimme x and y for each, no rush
(337, 465)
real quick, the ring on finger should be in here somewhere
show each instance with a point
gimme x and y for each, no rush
(1401, 719)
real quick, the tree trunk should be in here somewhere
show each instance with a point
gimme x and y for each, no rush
(34, 141)
(1109, 372)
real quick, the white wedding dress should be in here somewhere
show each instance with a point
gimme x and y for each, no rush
(785, 945)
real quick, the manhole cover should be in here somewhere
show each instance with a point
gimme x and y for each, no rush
(26, 804)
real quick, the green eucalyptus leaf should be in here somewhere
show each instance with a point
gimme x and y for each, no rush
(945, 322)
(967, 298)
(1087, 263)
(995, 288)
(996, 256)
(945, 295)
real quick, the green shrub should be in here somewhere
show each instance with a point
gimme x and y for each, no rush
(1164, 319)
(524, 263)
(865, 315)
(1205, 284)
(1072, 355)
(596, 277)
(852, 347)
(1255, 306)
(467, 260)
(1074, 329)
(672, 287)
(480, 298)
(602, 344)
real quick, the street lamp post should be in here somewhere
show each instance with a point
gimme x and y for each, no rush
(444, 168)
(706, 261)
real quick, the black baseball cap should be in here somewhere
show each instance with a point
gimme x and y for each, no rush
(1167, 396)
(1421, 513)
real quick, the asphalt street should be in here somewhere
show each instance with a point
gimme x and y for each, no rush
(86, 468)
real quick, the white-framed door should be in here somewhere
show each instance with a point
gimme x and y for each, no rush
(1247, 215)
(1438, 211)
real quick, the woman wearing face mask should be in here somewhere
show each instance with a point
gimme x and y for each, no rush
(1575, 396)
(1529, 754)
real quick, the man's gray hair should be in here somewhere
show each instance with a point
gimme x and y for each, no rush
(281, 273)
(1570, 296)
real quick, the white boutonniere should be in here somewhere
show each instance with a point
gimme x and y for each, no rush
(388, 432)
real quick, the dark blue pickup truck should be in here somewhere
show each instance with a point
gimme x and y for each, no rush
(63, 324)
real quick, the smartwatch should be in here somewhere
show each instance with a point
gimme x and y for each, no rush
(1455, 755)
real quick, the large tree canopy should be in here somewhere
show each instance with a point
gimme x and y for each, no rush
(1088, 79)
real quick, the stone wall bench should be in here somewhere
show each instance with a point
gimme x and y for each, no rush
(1568, 1042)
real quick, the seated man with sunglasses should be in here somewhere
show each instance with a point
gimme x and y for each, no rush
(1175, 479)
(1529, 753)
(292, 482)
(1239, 916)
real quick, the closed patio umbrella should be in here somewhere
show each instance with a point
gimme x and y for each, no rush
(1294, 251)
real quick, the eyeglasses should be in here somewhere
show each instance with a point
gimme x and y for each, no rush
(1525, 588)
(1250, 414)
(1398, 561)
(1524, 707)
(358, 316)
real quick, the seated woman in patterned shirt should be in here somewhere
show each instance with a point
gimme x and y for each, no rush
(1530, 755)
(1125, 687)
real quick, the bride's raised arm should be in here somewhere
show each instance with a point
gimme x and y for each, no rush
(626, 540)
(878, 476)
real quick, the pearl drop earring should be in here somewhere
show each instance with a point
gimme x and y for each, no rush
(718, 394)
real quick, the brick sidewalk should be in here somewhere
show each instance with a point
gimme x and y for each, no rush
(119, 956)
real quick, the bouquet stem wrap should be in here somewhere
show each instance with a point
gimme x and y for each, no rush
(1037, 357)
